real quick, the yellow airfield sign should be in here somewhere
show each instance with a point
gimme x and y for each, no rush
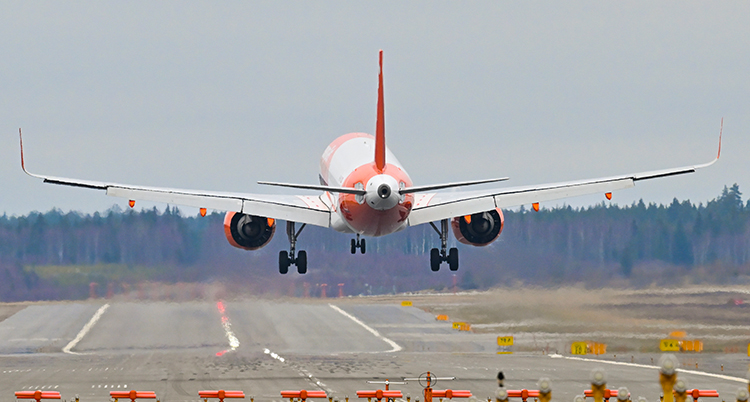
(669, 345)
(505, 341)
(578, 348)
(406, 303)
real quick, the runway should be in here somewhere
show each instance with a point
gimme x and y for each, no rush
(264, 346)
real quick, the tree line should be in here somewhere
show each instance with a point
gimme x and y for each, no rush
(55, 255)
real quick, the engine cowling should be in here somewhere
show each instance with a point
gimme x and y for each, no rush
(478, 229)
(248, 232)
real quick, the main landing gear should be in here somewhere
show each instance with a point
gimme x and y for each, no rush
(288, 258)
(437, 257)
(358, 244)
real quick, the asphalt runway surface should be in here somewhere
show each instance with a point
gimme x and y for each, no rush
(263, 346)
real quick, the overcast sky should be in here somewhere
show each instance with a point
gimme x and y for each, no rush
(218, 95)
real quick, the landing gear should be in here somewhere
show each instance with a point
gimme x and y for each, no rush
(358, 244)
(437, 257)
(288, 258)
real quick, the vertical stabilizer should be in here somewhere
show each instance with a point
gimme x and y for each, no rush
(380, 127)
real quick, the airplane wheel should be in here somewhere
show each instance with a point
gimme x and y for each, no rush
(354, 246)
(283, 262)
(362, 246)
(453, 259)
(302, 262)
(435, 260)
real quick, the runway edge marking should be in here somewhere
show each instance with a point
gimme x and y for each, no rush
(396, 347)
(86, 328)
(703, 373)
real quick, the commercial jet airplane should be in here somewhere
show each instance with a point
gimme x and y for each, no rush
(366, 192)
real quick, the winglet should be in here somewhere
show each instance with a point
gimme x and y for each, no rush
(718, 154)
(380, 126)
(721, 129)
(23, 165)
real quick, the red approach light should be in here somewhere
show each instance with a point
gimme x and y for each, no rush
(131, 203)
(450, 393)
(132, 395)
(203, 211)
(608, 195)
(523, 393)
(303, 394)
(221, 394)
(379, 394)
(535, 206)
(38, 395)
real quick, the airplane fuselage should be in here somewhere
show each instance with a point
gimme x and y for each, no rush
(347, 162)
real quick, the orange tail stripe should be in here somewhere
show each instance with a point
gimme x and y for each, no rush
(380, 127)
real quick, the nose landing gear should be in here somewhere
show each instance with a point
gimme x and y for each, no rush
(358, 244)
(288, 258)
(437, 257)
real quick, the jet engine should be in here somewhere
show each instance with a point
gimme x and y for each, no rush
(248, 232)
(478, 229)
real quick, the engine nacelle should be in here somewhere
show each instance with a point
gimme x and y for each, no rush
(478, 229)
(248, 232)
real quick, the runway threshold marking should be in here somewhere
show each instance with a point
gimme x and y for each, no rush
(86, 328)
(703, 373)
(396, 347)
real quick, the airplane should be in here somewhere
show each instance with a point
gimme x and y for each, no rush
(367, 192)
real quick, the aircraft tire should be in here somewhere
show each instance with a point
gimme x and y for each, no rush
(354, 246)
(453, 259)
(302, 262)
(283, 262)
(362, 246)
(435, 260)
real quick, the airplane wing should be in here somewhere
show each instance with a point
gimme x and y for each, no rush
(302, 209)
(437, 206)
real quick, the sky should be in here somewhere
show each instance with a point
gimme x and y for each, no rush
(219, 95)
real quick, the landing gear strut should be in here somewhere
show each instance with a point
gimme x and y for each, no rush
(358, 244)
(288, 258)
(437, 257)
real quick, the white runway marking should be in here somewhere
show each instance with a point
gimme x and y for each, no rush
(86, 328)
(703, 373)
(396, 347)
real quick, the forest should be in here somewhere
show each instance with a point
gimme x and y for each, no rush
(56, 255)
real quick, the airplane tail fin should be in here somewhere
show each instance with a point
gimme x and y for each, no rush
(380, 126)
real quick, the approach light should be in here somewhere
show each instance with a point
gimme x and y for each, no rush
(668, 364)
(680, 386)
(544, 385)
(623, 394)
(598, 377)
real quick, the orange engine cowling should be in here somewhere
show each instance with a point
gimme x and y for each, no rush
(248, 232)
(478, 229)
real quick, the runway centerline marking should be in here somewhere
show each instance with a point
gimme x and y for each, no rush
(396, 347)
(86, 328)
(703, 373)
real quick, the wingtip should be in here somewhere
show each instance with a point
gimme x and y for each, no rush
(721, 130)
(20, 138)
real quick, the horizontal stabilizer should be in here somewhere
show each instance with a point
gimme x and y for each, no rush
(345, 190)
(432, 187)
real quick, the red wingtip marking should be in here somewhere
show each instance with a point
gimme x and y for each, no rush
(20, 137)
(721, 129)
(380, 126)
